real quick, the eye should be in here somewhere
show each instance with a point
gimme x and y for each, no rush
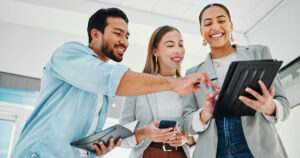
(222, 21)
(170, 46)
(207, 24)
(117, 33)
(181, 45)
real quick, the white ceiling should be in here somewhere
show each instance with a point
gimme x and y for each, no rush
(245, 13)
(70, 18)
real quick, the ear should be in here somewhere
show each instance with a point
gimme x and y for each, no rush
(231, 26)
(201, 31)
(155, 52)
(96, 34)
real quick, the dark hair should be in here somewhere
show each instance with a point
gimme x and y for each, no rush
(152, 65)
(214, 5)
(98, 19)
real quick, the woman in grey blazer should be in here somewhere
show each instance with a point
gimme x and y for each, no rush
(165, 54)
(246, 136)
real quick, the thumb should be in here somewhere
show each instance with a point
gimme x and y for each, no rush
(272, 91)
(156, 123)
(177, 128)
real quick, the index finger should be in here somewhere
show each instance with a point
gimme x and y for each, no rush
(263, 87)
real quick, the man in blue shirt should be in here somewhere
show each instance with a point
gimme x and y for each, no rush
(75, 86)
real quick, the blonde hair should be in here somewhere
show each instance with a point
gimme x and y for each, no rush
(152, 64)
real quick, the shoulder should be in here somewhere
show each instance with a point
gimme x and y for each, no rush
(257, 51)
(258, 48)
(73, 46)
(195, 68)
(71, 49)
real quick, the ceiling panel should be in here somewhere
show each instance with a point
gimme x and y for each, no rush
(245, 13)
(143, 5)
(262, 9)
(169, 8)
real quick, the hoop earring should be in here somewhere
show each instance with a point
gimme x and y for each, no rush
(204, 43)
(231, 38)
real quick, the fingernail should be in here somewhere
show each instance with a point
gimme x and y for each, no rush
(247, 89)
(240, 97)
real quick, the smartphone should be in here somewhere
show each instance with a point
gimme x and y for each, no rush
(167, 124)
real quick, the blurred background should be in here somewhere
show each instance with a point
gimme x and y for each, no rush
(30, 30)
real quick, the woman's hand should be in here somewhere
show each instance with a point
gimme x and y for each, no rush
(180, 139)
(210, 102)
(264, 102)
(155, 134)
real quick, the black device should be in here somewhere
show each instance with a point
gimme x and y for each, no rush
(167, 124)
(242, 74)
(116, 131)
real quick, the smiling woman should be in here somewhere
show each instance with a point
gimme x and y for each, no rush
(232, 136)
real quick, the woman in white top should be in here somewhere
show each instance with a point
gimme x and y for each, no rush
(235, 137)
(165, 54)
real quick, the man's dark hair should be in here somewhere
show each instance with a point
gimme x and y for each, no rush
(214, 5)
(98, 19)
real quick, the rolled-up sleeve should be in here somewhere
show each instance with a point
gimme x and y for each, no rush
(77, 65)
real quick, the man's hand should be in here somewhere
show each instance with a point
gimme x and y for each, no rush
(102, 149)
(188, 84)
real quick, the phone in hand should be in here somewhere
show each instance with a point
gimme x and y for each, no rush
(167, 124)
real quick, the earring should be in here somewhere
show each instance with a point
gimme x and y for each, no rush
(204, 43)
(231, 38)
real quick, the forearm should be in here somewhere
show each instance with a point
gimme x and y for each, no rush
(134, 83)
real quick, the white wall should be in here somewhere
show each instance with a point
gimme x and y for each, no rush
(280, 31)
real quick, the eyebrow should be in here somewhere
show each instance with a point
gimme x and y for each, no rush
(220, 16)
(172, 41)
(116, 28)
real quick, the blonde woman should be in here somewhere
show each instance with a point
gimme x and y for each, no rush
(165, 54)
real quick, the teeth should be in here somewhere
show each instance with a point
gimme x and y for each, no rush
(217, 35)
(122, 49)
(177, 59)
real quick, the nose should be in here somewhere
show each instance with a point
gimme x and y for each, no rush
(180, 50)
(215, 26)
(124, 41)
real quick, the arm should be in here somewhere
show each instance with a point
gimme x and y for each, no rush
(75, 64)
(273, 104)
(134, 83)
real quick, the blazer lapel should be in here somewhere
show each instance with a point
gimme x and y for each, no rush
(152, 100)
(243, 53)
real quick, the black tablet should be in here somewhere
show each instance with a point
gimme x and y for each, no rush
(242, 74)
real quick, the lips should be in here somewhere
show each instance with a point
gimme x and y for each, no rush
(120, 50)
(216, 36)
(177, 59)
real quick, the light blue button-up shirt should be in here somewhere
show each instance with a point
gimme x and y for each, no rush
(67, 102)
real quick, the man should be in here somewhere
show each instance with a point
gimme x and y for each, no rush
(75, 86)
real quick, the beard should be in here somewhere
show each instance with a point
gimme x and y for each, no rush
(109, 52)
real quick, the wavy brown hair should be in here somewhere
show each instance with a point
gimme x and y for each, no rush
(152, 65)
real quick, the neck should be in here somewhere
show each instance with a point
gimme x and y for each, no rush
(223, 51)
(98, 53)
(166, 73)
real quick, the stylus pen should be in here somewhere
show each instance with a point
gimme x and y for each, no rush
(210, 79)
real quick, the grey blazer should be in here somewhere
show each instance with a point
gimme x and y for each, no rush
(259, 130)
(144, 109)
